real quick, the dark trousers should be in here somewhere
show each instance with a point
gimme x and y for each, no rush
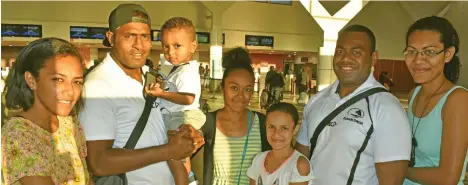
(301, 88)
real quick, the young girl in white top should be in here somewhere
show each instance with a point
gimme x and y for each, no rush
(282, 165)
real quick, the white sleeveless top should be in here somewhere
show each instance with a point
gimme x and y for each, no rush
(285, 174)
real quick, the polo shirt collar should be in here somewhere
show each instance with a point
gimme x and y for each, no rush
(370, 82)
(115, 70)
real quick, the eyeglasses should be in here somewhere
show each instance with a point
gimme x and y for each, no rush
(428, 52)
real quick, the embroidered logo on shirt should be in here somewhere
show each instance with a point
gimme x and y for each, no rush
(354, 114)
(155, 105)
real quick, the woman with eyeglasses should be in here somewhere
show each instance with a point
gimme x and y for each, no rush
(438, 107)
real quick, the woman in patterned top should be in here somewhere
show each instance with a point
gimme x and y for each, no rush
(44, 145)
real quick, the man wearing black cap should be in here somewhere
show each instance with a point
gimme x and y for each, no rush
(114, 103)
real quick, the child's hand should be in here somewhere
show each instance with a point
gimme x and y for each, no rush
(154, 89)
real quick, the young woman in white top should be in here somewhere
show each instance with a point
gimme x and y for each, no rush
(282, 165)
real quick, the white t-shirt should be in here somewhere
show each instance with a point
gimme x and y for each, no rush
(339, 142)
(185, 79)
(285, 174)
(5, 72)
(113, 103)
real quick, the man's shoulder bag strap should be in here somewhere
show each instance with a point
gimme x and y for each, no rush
(141, 124)
(334, 113)
(121, 179)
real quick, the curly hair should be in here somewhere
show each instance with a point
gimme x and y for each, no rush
(235, 59)
(179, 23)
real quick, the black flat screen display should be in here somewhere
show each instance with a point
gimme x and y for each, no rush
(21, 30)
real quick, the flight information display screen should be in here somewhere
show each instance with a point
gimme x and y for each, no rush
(254, 40)
(84, 32)
(155, 35)
(266, 41)
(97, 33)
(203, 37)
(21, 30)
(77, 32)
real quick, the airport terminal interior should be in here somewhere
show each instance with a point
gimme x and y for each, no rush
(288, 35)
(291, 36)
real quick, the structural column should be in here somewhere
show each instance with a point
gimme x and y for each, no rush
(216, 35)
(216, 51)
(325, 73)
(216, 47)
(332, 16)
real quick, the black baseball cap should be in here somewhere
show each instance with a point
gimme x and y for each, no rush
(124, 14)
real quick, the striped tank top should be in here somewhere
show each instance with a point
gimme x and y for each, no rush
(227, 154)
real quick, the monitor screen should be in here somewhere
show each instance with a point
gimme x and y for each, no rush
(97, 33)
(79, 32)
(203, 37)
(266, 41)
(11, 30)
(155, 35)
(251, 40)
(281, 2)
(31, 31)
(21, 30)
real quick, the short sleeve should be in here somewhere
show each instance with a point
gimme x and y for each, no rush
(391, 139)
(188, 82)
(26, 151)
(96, 116)
(303, 136)
(254, 170)
(296, 177)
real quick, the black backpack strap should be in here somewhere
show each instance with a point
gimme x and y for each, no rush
(141, 124)
(209, 128)
(334, 113)
(209, 131)
(265, 145)
(363, 146)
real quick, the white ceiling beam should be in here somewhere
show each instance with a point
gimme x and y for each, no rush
(445, 10)
(407, 8)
